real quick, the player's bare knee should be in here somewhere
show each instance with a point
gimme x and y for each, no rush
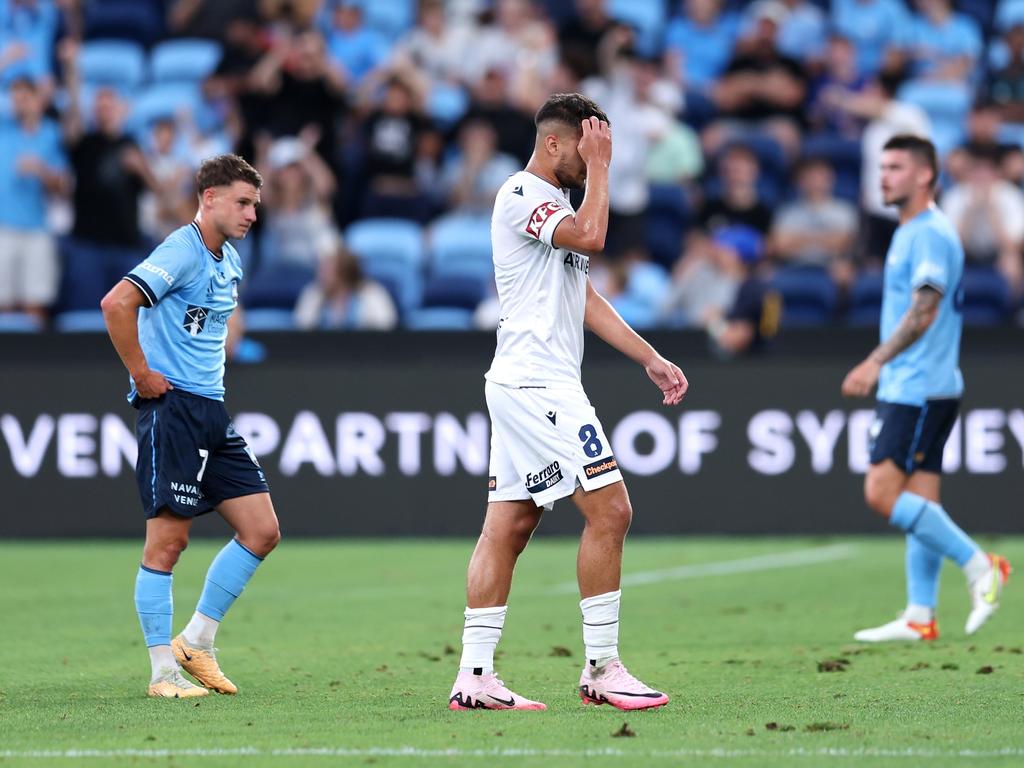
(261, 541)
(613, 519)
(162, 555)
(879, 495)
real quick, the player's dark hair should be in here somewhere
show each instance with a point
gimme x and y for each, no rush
(569, 109)
(921, 148)
(225, 170)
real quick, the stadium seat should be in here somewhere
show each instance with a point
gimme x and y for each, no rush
(139, 20)
(396, 241)
(648, 283)
(638, 313)
(185, 59)
(865, 301)
(276, 287)
(404, 286)
(986, 299)
(117, 63)
(647, 17)
(667, 219)
(456, 239)
(258, 320)
(440, 319)
(446, 103)
(808, 295)
(164, 100)
(80, 321)
(462, 291)
(391, 18)
(19, 322)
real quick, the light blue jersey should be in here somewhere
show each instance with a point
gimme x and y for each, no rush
(191, 293)
(924, 251)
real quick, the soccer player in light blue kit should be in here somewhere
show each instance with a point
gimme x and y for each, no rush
(917, 371)
(191, 459)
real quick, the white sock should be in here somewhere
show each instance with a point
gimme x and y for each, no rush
(919, 614)
(201, 631)
(601, 627)
(480, 637)
(161, 657)
(977, 567)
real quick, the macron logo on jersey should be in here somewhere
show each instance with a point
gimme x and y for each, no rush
(540, 216)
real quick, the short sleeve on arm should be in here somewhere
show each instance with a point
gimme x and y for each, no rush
(170, 266)
(931, 260)
(534, 214)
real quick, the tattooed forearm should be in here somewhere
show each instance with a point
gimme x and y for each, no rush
(912, 326)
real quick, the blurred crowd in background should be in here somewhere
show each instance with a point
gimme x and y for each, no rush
(744, 183)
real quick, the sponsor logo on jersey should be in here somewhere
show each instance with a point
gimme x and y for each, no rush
(195, 319)
(492, 483)
(540, 216)
(600, 467)
(163, 273)
(536, 482)
(576, 261)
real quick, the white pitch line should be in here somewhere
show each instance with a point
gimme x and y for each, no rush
(913, 753)
(770, 562)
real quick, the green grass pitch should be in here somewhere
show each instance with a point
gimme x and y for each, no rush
(345, 651)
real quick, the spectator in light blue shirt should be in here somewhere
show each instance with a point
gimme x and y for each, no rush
(699, 43)
(32, 166)
(874, 26)
(942, 44)
(27, 31)
(358, 49)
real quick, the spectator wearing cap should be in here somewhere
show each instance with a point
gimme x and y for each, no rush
(343, 298)
(876, 28)
(753, 319)
(817, 229)
(738, 200)
(699, 42)
(298, 230)
(707, 277)
(762, 91)
(988, 212)
(32, 168)
(941, 44)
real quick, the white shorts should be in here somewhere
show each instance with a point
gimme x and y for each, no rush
(29, 272)
(544, 443)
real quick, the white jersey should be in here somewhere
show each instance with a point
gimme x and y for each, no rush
(542, 290)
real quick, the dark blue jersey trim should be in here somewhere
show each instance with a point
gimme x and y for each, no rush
(139, 283)
(199, 232)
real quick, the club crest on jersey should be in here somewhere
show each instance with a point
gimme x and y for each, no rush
(195, 320)
(576, 261)
(539, 216)
(536, 482)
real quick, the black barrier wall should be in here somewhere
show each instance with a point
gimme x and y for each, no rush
(388, 435)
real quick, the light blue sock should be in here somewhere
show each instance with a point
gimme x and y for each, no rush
(930, 523)
(923, 567)
(229, 573)
(155, 605)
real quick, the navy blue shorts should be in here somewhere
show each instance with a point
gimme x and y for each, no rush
(190, 456)
(913, 436)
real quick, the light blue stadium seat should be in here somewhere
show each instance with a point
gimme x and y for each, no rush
(458, 238)
(440, 319)
(258, 320)
(185, 59)
(646, 16)
(446, 103)
(808, 296)
(390, 17)
(19, 322)
(164, 100)
(639, 314)
(393, 241)
(648, 283)
(80, 321)
(404, 285)
(117, 63)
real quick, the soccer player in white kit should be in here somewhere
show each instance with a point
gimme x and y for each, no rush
(546, 440)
